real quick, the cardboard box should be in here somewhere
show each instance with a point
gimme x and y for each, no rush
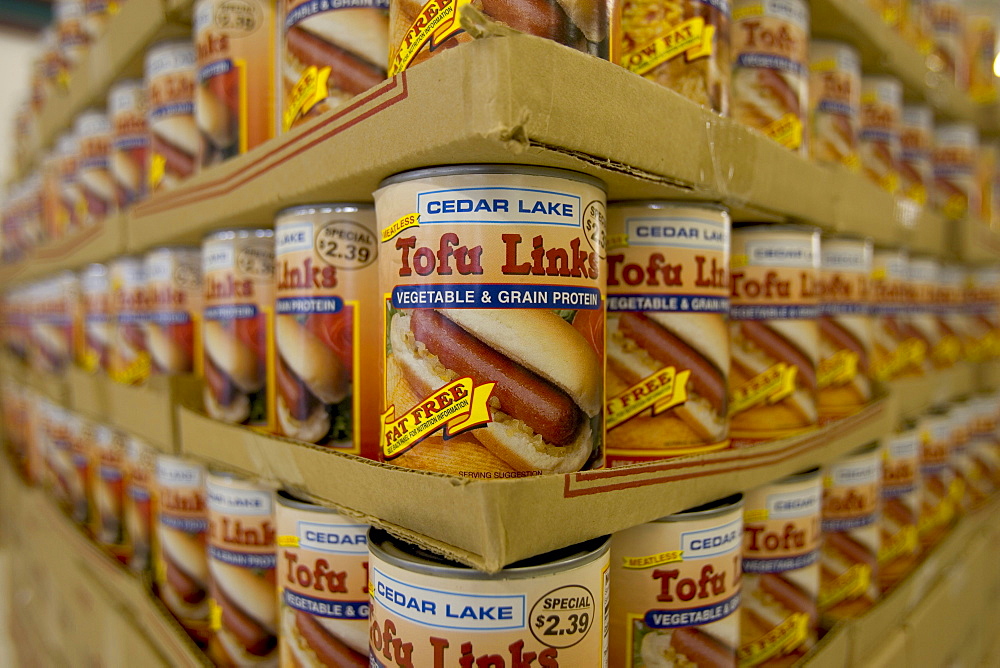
(830, 652)
(868, 632)
(88, 393)
(891, 652)
(147, 410)
(526, 100)
(93, 244)
(502, 521)
(974, 241)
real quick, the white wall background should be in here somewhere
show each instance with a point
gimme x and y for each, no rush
(16, 52)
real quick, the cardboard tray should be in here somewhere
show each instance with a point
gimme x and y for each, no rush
(526, 100)
(974, 241)
(93, 244)
(503, 521)
(916, 395)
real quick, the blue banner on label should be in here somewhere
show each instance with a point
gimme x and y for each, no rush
(844, 309)
(231, 312)
(887, 309)
(165, 318)
(495, 296)
(848, 524)
(138, 493)
(770, 62)
(774, 312)
(668, 303)
(896, 491)
(307, 9)
(191, 525)
(242, 559)
(673, 619)
(328, 609)
(308, 305)
(781, 564)
(131, 142)
(132, 318)
(831, 107)
(109, 474)
(215, 69)
(179, 109)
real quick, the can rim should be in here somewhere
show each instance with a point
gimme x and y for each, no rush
(325, 207)
(287, 499)
(669, 204)
(809, 474)
(169, 41)
(489, 168)
(239, 233)
(759, 226)
(705, 510)
(171, 247)
(588, 552)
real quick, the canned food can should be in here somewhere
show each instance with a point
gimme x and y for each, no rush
(95, 17)
(982, 307)
(949, 317)
(835, 103)
(849, 583)
(418, 29)
(174, 142)
(95, 290)
(180, 562)
(988, 183)
(322, 585)
(896, 350)
(174, 297)
(667, 335)
(923, 273)
(140, 469)
(109, 490)
(129, 361)
(771, 68)
(93, 135)
(948, 37)
(80, 431)
(781, 551)
(242, 558)
(127, 108)
(671, 574)
(938, 482)
(984, 445)
(327, 286)
(968, 485)
(72, 35)
(684, 47)
(900, 507)
(233, 106)
(552, 607)
(494, 319)
(845, 327)
(238, 278)
(58, 453)
(774, 331)
(53, 66)
(33, 464)
(956, 191)
(70, 206)
(881, 110)
(916, 139)
(53, 330)
(892, 12)
(53, 223)
(330, 53)
(981, 34)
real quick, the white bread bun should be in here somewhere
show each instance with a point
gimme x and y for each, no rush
(311, 361)
(706, 333)
(212, 117)
(363, 32)
(804, 335)
(860, 327)
(315, 427)
(590, 16)
(542, 342)
(754, 362)
(125, 170)
(351, 634)
(238, 655)
(100, 332)
(51, 339)
(236, 412)
(167, 355)
(99, 182)
(507, 438)
(180, 132)
(180, 607)
(232, 357)
(186, 551)
(254, 595)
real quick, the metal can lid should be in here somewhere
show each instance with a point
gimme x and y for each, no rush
(801, 476)
(459, 170)
(413, 558)
(239, 233)
(747, 227)
(710, 509)
(323, 207)
(289, 500)
(671, 204)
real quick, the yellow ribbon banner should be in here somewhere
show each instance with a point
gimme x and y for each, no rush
(311, 89)
(641, 563)
(662, 390)
(436, 22)
(786, 130)
(457, 407)
(782, 639)
(771, 386)
(405, 222)
(692, 39)
(901, 543)
(288, 541)
(852, 583)
(838, 369)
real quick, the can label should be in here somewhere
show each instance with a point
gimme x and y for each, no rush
(915, 139)
(93, 131)
(938, 481)
(418, 30)
(52, 327)
(327, 285)
(109, 487)
(58, 455)
(95, 287)
(173, 139)
(241, 560)
(71, 207)
(321, 67)
(180, 567)
(238, 277)
(845, 328)
(322, 587)
(72, 34)
(835, 92)
(140, 463)
(949, 320)
(947, 23)
(956, 189)
(235, 64)
(129, 141)
(851, 539)
(921, 303)
(686, 51)
(900, 507)
(676, 592)
(129, 362)
(773, 333)
(173, 284)
(896, 351)
(770, 68)
(668, 340)
(781, 551)
(558, 619)
(982, 316)
(981, 32)
(485, 277)
(881, 108)
(80, 482)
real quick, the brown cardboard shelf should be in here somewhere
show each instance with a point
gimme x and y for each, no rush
(521, 99)
(506, 520)
(96, 243)
(974, 241)
(917, 394)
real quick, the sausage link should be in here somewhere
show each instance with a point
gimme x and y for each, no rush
(222, 389)
(190, 590)
(300, 401)
(330, 650)
(347, 72)
(178, 162)
(842, 338)
(777, 347)
(789, 595)
(702, 649)
(248, 632)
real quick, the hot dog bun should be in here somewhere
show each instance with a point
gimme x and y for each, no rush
(311, 360)
(232, 357)
(212, 118)
(540, 341)
(590, 16)
(186, 553)
(99, 182)
(180, 132)
(254, 595)
(351, 643)
(126, 171)
(363, 32)
(750, 359)
(166, 353)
